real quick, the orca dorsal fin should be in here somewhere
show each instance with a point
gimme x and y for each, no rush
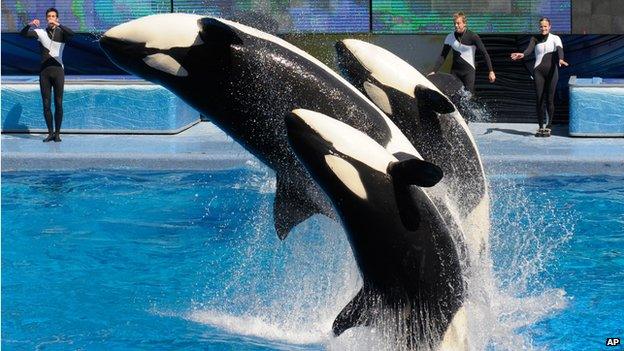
(216, 32)
(292, 206)
(415, 172)
(438, 101)
(354, 314)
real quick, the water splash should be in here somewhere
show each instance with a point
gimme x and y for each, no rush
(472, 109)
(291, 291)
(512, 292)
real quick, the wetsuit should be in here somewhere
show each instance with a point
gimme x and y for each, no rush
(464, 47)
(51, 42)
(548, 51)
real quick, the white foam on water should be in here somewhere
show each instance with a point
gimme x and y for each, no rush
(257, 326)
(292, 291)
(515, 293)
(304, 300)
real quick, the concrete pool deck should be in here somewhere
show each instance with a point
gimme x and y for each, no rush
(506, 148)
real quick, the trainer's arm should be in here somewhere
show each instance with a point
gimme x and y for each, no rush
(530, 48)
(559, 45)
(481, 48)
(445, 50)
(27, 32)
(67, 33)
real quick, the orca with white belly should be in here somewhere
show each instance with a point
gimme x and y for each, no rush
(403, 246)
(431, 122)
(246, 81)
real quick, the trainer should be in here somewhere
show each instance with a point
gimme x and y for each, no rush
(464, 44)
(52, 41)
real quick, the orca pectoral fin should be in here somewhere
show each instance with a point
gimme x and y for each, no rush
(354, 314)
(292, 206)
(415, 172)
(435, 99)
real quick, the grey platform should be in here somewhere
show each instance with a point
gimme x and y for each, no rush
(505, 149)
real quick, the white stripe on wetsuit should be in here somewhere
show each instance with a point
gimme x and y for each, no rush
(54, 47)
(466, 52)
(547, 47)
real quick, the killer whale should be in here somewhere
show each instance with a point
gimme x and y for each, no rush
(247, 81)
(454, 89)
(431, 122)
(403, 246)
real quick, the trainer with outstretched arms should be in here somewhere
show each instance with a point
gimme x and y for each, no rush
(52, 41)
(548, 57)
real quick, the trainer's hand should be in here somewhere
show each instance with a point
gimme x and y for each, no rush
(34, 22)
(563, 63)
(517, 56)
(492, 77)
(54, 22)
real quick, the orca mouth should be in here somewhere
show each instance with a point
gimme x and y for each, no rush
(124, 53)
(303, 138)
(349, 65)
(114, 46)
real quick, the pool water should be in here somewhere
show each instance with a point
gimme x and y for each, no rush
(189, 260)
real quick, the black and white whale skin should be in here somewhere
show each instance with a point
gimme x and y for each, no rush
(431, 122)
(403, 246)
(247, 81)
(449, 85)
(454, 89)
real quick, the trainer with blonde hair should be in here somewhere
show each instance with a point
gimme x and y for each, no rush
(548, 57)
(464, 44)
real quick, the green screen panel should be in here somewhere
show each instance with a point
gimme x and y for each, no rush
(484, 16)
(305, 16)
(80, 15)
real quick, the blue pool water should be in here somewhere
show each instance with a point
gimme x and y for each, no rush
(187, 260)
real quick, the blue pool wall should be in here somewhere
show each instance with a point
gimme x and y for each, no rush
(510, 99)
(97, 104)
(596, 107)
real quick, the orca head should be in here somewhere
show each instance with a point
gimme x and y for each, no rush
(344, 161)
(392, 83)
(348, 164)
(349, 64)
(170, 49)
(384, 67)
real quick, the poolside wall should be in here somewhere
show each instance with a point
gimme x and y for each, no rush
(511, 98)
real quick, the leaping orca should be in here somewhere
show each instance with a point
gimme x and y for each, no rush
(431, 122)
(247, 81)
(403, 246)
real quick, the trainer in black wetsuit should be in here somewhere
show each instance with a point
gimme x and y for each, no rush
(464, 44)
(548, 57)
(52, 41)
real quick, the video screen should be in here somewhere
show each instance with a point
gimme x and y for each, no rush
(80, 16)
(484, 16)
(321, 16)
(303, 16)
